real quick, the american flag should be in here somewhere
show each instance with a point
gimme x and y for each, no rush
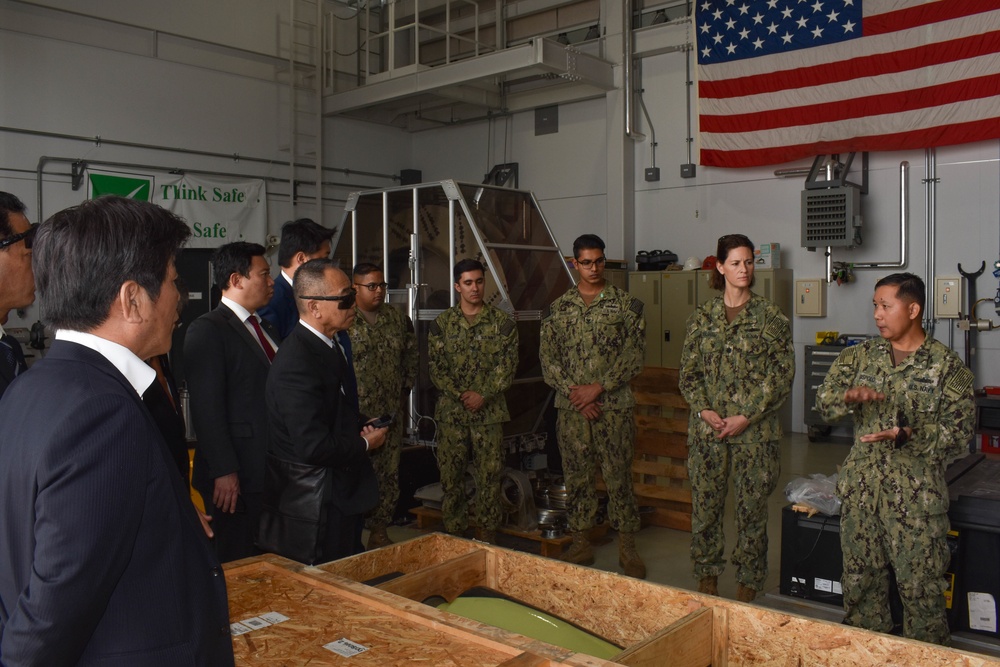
(779, 80)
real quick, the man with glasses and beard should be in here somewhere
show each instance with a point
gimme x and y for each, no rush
(318, 448)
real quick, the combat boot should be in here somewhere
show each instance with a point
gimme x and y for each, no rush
(628, 557)
(378, 538)
(487, 535)
(708, 585)
(745, 593)
(580, 552)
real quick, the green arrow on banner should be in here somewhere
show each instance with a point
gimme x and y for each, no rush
(129, 187)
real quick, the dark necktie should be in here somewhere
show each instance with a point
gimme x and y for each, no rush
(350, 381)
(12, 355)
(268, 350)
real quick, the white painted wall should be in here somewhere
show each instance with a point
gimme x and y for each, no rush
(61, 86)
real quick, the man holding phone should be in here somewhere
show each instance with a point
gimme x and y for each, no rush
(385, 362)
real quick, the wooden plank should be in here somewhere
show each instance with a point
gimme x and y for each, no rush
(666, 424)
(672, 445)
(670, 519)
(659, 399)
(678, 494)
(653, 378)
(448, 579)
(687, 641)
(660, 469)
(527, 660)
(720, 637)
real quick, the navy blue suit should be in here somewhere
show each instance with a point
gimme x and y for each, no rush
(281, 310)
(103, 560)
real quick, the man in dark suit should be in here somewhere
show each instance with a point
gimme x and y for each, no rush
(17, 284)
(301, 241)
(227, 355)
(313, 418)
(103, 560)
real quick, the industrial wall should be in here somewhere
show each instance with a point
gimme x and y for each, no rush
(64, 83)
(688, 215)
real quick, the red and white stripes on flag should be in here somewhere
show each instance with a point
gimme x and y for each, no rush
(919, 73)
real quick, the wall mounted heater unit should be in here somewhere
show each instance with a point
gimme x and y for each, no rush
(831, 217)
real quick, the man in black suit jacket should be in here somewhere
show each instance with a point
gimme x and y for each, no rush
(226, 362)
(313, 418)
(17, 284)
(103, 560)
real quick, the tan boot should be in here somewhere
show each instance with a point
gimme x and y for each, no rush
(708, 585)
(580, 552)
(628, 557)
(486, 535)
(745, 593)
(378, 538)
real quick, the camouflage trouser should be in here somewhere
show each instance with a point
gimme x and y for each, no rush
(385, 460)
(916, 548)
(609, 441)
(754, 469)
(454, 444)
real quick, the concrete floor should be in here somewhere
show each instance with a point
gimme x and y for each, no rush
(667, 557)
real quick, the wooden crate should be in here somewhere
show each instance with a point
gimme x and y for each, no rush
(660, 465)
(550, 547)
(655, 625)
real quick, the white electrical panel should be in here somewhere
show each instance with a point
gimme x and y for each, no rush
(810, 298)
(947, 297)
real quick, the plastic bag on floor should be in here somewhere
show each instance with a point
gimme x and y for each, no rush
(817, 491)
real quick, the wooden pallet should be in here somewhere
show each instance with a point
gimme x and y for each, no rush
(550, 547)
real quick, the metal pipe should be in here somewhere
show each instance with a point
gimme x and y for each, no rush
(451, 237)
(792, 172)
(687, 87)
(236, 157)
(930, 204)
(627, 85)
(652, 133)
(904, 219)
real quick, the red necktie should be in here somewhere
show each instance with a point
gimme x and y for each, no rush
(268, 350)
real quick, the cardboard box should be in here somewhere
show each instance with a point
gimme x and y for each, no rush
(768, 256)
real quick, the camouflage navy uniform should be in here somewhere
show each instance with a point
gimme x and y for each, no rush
(603, 342)
(385, 362)
(481, 357)
(895, 501)
(740, 368)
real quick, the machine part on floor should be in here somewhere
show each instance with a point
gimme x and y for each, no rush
(518, 500)
(745, 593)
(968, 324)
(378, 538)
(580, 552)
(708, 586)
(628, 557)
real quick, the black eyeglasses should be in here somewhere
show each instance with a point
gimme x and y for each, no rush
(28, 237)
(345, 300)
(587, 263)
(373, 286)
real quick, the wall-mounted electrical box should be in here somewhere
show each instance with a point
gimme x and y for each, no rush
(810, 298)
(947, 297)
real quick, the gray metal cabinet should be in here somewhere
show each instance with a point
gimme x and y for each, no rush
(819, 359)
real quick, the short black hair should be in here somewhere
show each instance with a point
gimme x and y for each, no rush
(310, 280)
(9, 204)
(909, 287)
(587, 242)
(302, 235)
(364, 268)
(84, 254)
(231, 258)
(466, 265)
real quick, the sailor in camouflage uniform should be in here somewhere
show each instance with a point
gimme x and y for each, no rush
(913, 412)
(736, 371)
(592, 345)
(385, 361)
(472, 351)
